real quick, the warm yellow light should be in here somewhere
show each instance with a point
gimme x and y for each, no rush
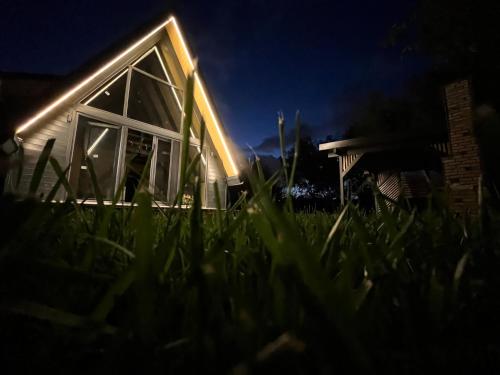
(86, 81)
(205, 97)
(96, 142)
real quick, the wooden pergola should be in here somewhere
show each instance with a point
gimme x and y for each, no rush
(350, 151)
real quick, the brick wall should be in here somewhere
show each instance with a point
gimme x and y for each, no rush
(462, 169)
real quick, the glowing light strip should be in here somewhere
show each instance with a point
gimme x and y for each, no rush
(105, 87)
(168, 78)
(96, 142)
(86, 81)
(202, 90)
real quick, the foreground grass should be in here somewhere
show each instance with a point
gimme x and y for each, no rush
(252, 289)
(249, 289)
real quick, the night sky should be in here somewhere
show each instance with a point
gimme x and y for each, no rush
(257, 56)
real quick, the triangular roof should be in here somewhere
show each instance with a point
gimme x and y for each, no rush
(181, 50)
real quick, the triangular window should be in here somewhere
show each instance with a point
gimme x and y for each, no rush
(151, 63)
(111, 96)
(152, 98)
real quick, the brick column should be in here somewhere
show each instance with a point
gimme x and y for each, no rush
(462, 169)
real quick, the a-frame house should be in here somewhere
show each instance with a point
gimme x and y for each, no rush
(127, 109)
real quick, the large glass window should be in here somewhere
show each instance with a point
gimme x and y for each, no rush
(153, 102)
(111, 96)
(151, 98)
(152, 64)
(138, 150)
(142, 91)
(163, 158)
(98, 142)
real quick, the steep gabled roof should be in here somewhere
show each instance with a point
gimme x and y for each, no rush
(202, 99)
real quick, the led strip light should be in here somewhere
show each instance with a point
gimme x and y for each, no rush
(203, 93)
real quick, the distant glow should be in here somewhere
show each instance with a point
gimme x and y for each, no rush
(96, 142)
(104, 89)
(86, 81)
(202, 90)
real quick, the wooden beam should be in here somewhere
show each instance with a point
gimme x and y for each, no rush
(383, 141)
(333, 155)
(349, 162)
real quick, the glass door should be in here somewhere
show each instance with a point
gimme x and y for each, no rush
(139, 148)
(163, 167)
(98, 142)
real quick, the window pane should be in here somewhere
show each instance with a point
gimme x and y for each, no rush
(162, 170)
(153, 102)
(174, 172)
(100, 143)
(139, 146)
(151, 64)
(111, 96)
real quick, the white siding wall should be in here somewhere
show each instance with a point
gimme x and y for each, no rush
(33, 143)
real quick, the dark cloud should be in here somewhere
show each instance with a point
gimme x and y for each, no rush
(272, 144)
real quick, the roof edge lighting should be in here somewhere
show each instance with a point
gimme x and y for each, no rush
(205, 97)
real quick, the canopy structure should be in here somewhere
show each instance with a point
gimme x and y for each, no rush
(390, 150)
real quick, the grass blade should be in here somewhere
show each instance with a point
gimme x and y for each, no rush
(40, 166)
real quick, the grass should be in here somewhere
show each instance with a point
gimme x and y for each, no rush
(255, 288)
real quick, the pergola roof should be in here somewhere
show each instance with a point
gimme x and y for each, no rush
(384, 150)
(383, 143)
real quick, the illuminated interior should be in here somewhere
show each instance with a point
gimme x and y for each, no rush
(145, 159)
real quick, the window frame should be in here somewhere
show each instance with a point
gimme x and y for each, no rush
(123, 124)
(106, 124)
(128, 70)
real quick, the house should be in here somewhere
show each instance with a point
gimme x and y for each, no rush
(411, 165)
(121, 111)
